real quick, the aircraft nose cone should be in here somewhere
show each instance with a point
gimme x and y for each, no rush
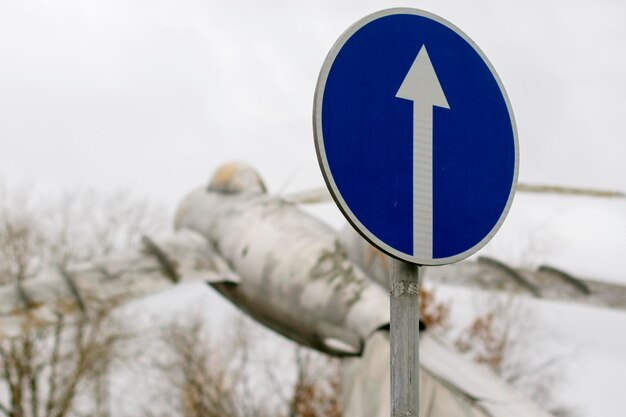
(236, 177)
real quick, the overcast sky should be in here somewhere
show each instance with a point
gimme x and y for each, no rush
(154, 95)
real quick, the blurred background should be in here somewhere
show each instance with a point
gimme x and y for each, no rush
(111, 111)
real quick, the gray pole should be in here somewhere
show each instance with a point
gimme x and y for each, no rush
(405, 285)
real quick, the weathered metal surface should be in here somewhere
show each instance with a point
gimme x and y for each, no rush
(287, 271)
(167, 265)
(449, 384)
(547, 283)
(297, 280)
(404, 329)
(557, 189)
(322, 195)
(475, 386)
(107, 281)
(569, 278)
(508, 272)
(550, 286)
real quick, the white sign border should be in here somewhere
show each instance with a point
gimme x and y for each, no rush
(321, 153)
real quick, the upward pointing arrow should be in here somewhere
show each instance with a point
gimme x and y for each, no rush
(421, 84)
(422, 87)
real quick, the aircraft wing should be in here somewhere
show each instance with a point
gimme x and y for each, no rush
(489, 274)
(322, 195)
(120, 277)
(450, 385)
(312, 196)
(545, 282)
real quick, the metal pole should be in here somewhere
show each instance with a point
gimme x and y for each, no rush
(404, 288)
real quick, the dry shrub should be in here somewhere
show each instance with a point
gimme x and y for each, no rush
(317, 388)
(506, 338)
(63, 370)
(214, 374)
(434, 314)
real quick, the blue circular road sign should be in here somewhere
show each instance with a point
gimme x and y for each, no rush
(415, 136)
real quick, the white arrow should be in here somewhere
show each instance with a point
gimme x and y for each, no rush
(422, 87)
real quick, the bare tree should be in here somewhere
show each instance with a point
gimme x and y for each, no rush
(63, 370)
(46, 372)
(505, 337)
(434, 313)
(205, 374)
(316, 392)
(198, 375)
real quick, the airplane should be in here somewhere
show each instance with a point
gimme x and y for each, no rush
(294, 274)
(546, 282)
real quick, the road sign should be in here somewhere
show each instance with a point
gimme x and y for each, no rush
(415, 136)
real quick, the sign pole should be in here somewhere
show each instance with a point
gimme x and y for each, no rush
(406, 279)
(417, 143)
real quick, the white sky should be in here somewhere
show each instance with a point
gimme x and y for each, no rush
(154, 95)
